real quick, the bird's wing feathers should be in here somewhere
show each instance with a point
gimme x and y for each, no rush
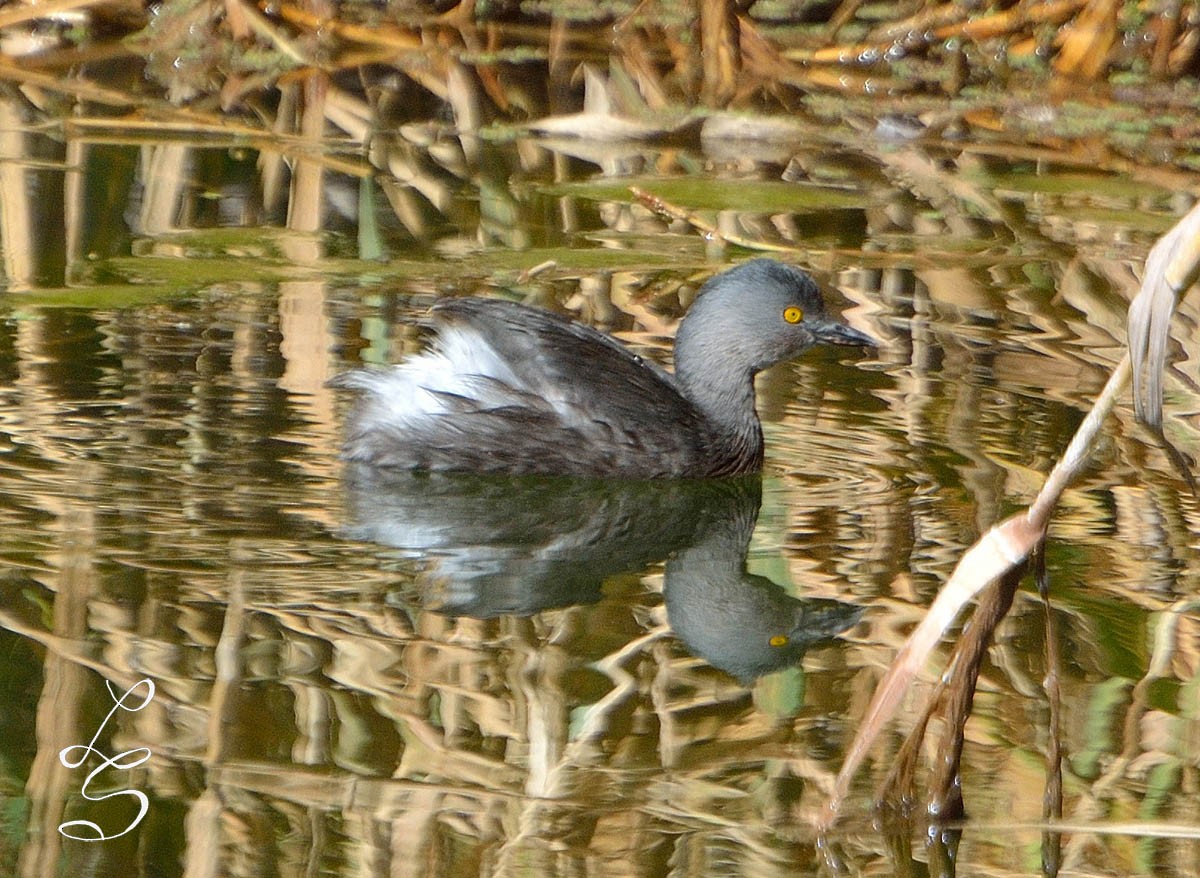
(517, 389)
(568, 363)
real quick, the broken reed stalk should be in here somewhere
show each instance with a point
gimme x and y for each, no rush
(952, 698)
(945, 799)
(999, 551)
(1172, 267)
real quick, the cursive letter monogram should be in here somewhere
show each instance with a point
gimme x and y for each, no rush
(86, 830)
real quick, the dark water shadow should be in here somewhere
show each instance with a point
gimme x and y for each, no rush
(497, 546)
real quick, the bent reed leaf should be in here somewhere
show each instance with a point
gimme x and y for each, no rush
(1172, 266)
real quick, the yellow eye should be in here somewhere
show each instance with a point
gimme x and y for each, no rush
(781, 639)
(792, 314)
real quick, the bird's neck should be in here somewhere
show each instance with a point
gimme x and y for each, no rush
(725, 397)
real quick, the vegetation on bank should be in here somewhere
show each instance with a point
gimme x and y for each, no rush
(1113, 78)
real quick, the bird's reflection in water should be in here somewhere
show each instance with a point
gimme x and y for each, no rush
(497, 545)
(746, 625)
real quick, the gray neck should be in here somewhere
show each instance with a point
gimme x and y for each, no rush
(725, 396)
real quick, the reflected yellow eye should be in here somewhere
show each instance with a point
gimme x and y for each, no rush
(792, 314)
(781, 639)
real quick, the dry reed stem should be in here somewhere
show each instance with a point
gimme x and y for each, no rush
(260, 25)
(1085, 828)
(26, 12)
(710, 231)
(1088, 40)
(953, 698)
(145, 130)
(384, 35)
(1000, 24)
(1052, 794)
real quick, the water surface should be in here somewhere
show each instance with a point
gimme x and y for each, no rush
(475, 678)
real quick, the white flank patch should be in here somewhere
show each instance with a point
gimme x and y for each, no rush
(408, 393)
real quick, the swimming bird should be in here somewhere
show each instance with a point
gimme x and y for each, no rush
(508, 388)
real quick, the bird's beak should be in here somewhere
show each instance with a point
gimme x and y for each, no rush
(835, 332)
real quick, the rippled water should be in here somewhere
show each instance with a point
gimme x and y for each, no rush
(440, 677)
